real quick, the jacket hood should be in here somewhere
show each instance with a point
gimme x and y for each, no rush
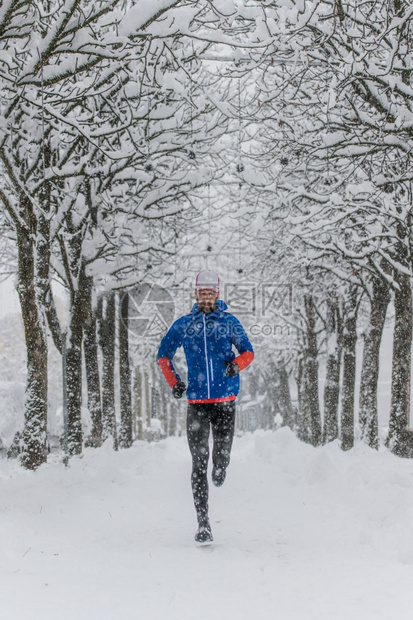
(221, 307)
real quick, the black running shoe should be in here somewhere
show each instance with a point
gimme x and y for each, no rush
(218, 476)
(204, 534)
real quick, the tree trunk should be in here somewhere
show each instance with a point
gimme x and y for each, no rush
(163, 412)
(285, 394)
(148, 405)
(368, 417)
(283, 404)
(79, 288)
(349, 370)
(90, 346)
(271, 382)
(303, 428)
(137, 403)
(173, 417)
(78, 314)
(32, 274)
(309, 398)
(74, 385)
(125, 439)
(107, 315)
(332, 383)
(401, 362)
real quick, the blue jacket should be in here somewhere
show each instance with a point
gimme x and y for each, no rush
(207, 340)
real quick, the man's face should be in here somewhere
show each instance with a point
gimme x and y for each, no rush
(206, 300)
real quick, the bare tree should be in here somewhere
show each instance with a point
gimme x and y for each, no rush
(125, 382)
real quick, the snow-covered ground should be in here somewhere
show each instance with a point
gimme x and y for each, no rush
(300, 533)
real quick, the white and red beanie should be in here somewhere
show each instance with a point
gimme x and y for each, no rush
(207, 280)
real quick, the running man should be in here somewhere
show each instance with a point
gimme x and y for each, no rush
(208, 335)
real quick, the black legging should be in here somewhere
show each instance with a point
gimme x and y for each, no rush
(221, 417)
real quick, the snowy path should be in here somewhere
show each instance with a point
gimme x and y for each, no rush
(300, 534)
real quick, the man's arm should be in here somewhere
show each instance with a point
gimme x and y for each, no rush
(243, 345)
(168, 371)
(244, 359)
(169, 344)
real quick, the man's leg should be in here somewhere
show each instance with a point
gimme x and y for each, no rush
(197, 424)
(223, 427)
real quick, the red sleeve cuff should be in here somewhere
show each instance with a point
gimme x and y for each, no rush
(244, 359)
(168, 373)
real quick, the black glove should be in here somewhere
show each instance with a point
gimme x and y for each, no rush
(232, 369)
(178, 389)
